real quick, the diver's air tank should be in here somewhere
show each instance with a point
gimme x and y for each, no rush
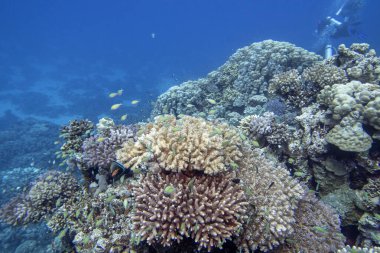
(328, 51)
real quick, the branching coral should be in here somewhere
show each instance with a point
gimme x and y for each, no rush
(74, 135)
(354, 249)
(100, 150)
(317, 228)
(273, 197)
(101, 224)
(185, 144)
(47, 193)
(169, 207)
(265, 128)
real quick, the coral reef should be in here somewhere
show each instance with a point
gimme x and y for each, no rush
(354, 249)
(185, 144)
(238, 87)
(100, 150)
(100, 224)
(169, 207)
(47, 193)
(273, 197)
(317, 228)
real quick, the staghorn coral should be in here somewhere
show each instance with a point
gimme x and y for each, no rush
(185, 144)
(47, 193)
(273, 197)
(169, 207)
(317, 228)
(100, 150)
(100, 224)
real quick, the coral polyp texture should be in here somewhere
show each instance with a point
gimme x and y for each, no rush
(47, 193)
(273, 197)
(184, 144)
(317, 228)
(170, 207)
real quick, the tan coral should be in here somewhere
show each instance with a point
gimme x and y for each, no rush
(169, 207)
(273, 197)
(184, 144)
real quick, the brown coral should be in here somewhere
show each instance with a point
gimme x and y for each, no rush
(184, 144)
(317, 228)
(208, 209)
(47, 193)
(273, 197)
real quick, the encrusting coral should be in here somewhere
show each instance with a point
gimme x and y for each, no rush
(50, 191)
(273, 197)
(171, 206)
(184, 144)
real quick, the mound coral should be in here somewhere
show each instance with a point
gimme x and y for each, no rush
(273, 197)
(185, 144)
(239, 86)
(317, 228)
(50, 191)
(169, 207)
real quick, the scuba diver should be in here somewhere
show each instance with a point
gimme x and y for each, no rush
(344, 23)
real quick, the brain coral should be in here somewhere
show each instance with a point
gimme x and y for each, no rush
(184, 144)
(47, 193)
(273, 197)
(169, 207)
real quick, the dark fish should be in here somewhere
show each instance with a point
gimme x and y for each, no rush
(118, 169)
(271, 184)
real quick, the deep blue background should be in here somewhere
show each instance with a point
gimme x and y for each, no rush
(60, 59)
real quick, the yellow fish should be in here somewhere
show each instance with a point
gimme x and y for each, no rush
(113, 94)
(211, 101)
(100, 139)
(115, 106)
(120, 92)
(124, 117)
(135, 102)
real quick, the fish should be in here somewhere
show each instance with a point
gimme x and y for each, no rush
(115, 106)
(56, 142)
(115, 172)
(113, 94)
(124, 117)
(100, 139)
(211, 101)
(120, 92)
(135, 102)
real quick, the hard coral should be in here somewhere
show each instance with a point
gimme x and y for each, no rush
(273, 197)
(169, 207)
(184, 144)
(317, 228)
(100, 150)
(47, 193)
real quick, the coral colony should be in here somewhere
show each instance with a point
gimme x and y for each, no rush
(275, 151)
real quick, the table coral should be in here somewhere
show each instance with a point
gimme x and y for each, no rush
(184, 144)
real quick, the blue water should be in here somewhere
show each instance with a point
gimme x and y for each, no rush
(60, 59)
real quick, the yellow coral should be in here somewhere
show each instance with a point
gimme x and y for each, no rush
(184, 144)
